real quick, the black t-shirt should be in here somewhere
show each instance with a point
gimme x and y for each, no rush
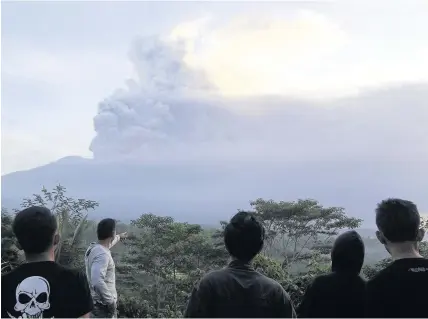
(44, 290)
(399, 291)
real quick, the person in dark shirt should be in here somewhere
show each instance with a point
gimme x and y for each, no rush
(340, 294)
(238, 291)
(40, 288)
(401, 289)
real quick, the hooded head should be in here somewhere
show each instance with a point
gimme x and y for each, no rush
(347, 255)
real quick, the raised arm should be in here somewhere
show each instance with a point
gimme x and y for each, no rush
(117, 238)
(115, 241)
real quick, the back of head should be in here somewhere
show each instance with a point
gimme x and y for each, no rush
(398, 220)
(347, 255)
(244, 236)
(35, 229)
(106, 229)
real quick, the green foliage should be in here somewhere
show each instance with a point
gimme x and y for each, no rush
(269, 267)
(72, 220)
(297, 284)
(167, 257)
(11, 256)
(297, 230)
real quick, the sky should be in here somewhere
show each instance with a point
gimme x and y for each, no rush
(63, 63)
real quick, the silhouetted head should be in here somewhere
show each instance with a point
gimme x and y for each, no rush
(106, 230)
(244, 236)
(398, 221)
(36, 230)
(347, 255)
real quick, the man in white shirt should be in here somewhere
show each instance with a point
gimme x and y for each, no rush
(100, 270)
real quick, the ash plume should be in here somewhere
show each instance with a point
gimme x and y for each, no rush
(171, 112)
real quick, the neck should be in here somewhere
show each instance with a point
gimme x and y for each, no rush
(403, 251)
(105, 243)
(233, 259)
(47, 256)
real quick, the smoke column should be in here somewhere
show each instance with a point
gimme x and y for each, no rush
(172, 113)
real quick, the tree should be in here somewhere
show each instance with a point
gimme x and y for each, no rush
(297, 284)
(72, 219)
(170, 256)
(296, 230)
(269, 267)
(11, 256)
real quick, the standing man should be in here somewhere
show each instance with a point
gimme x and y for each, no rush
(100, 270)
(41, 288)
(239, 291)
(401, 289)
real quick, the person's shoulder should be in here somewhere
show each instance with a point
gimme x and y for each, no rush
(11, 275)
(382, 276)
(210, 279)
(214, 275)
(422, 262)
(325, 277)
(322, 281)
(415, 265)
(270, 283)
(5, 277)
(74, 275)
(100, 253)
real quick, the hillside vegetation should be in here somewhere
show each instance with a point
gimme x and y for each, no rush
(161, 260)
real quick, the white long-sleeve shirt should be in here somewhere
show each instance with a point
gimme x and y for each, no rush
(101, 273)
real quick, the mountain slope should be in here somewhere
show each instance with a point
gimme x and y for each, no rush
(207, 193)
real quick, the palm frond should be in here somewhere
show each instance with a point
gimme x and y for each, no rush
(62, 219)
(79, 229)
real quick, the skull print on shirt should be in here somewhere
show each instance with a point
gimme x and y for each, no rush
(32, 297)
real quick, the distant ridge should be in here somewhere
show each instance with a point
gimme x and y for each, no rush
(206, 193)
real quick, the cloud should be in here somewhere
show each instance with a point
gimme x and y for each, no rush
(305, 54)
(171, 112)
(262, 55)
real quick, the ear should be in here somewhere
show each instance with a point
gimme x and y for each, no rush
(56, 239)
(380, 237)
(421, 235)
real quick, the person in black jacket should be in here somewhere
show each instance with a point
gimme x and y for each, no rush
(340, 294)
(238, 291)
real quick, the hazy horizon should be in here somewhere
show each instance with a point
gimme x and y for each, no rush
(216, 103)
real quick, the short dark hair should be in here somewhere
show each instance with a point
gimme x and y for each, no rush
(398, 220)
(244, 236)
(106, 228)
(35, 228)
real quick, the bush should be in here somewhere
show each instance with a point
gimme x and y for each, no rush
(134, 307)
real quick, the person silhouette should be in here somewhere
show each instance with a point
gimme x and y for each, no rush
(340, 294)
(401, 289)
(238, 291)
(41, 288)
